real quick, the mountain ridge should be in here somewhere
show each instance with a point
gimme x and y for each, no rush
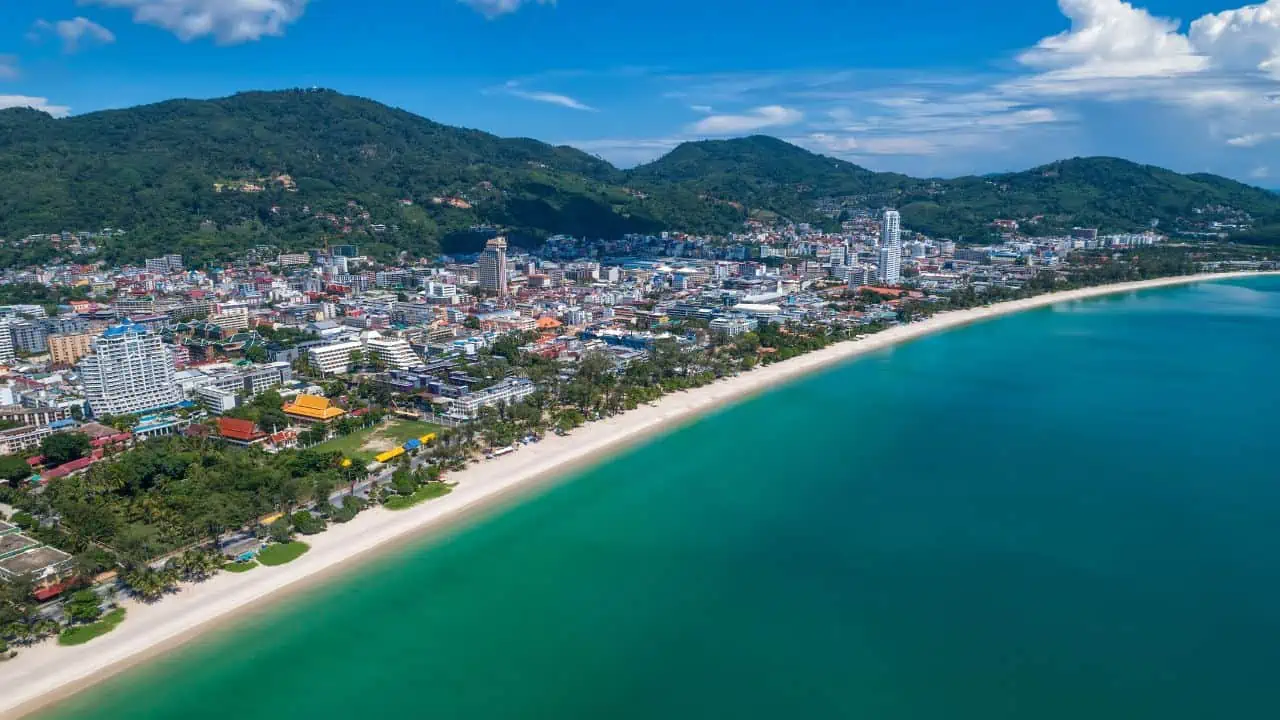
(162, 171)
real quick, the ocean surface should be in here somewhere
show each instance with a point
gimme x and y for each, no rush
(1069, 513)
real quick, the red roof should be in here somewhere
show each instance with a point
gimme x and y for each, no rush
(121, 437)
(34, 461)
(67, 469)
(241, 430)
(53, 591)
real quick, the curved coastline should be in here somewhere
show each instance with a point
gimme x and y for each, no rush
(41, 676)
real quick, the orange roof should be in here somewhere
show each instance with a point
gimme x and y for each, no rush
(548, 323)
(242, 430)
(312, 407)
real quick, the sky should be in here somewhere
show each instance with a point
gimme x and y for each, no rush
(925, 87)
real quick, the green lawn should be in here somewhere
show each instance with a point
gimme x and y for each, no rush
(400, 431)
(82, 634)
(273, 555)
(430, 491)
(240, 567)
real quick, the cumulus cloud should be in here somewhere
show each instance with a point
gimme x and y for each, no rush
(9, 67)
(1112, 38)
(76, 32)
(757, 119)
(1252, 139)
(35, 103)
(228, 21)
(1247, 38)
(493, 8)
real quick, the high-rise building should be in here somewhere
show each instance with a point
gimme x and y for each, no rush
(890, 228)
(6, 342)
(890, 270)
(493, 266)
(129, 371)
(29, 336)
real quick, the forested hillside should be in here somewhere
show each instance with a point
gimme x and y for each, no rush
(293, 169)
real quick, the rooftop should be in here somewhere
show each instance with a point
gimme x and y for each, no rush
(313, 408)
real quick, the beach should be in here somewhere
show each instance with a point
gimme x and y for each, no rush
(41, 675)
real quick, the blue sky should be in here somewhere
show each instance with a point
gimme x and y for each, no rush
(927, 87)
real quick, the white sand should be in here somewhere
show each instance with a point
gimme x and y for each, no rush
(43, 674)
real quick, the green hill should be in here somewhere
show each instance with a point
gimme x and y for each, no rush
(291, 169)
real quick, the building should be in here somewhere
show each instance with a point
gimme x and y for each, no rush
(28, 336)
(393, 353)
(334, 358)
(292, 259)
(890, 270)
(508, 391)
(233, 319)
(165, 265)
(68, 349)
(890, 228)
(216, 400)
(6, 343)
(493, 266)
(240, 432)
(311, 408)
(24, 438)
(32, 416)
(128, 307)
(129, 372)
(734, 326)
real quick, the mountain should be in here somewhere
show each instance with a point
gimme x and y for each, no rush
(297, 168)
(767, 174)
(175, 175)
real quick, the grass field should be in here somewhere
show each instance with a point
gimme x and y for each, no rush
(273, 555)
(240, 567)
(364, 445)
(82, 634)
(427, 492)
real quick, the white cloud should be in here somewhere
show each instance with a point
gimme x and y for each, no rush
(757, 119)
(1252, 139)
(704, 109)
(514, 88)
(493, 8)
(76, 31)
(228, 21)
(1247, 38)
(35, 103)
(9, 67)
(1260, 172)
(1112, 38)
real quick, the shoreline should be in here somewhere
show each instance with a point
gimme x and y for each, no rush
(45, 674)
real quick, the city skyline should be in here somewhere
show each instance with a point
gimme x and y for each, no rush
(925, 87)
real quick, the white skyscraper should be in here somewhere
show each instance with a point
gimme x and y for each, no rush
(890, 270)
(129, 371)
(890, 228)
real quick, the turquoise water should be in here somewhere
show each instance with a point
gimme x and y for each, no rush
(1069, 513)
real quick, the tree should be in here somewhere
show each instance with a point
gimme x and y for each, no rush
(84, 607)
(256, 354)
(306, 523)
(62, 448)
(403, 482)
(14, 469)
(280, 530)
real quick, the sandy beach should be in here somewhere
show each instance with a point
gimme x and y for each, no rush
(46, 673)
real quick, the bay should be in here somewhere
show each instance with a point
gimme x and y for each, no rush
(1067, 513)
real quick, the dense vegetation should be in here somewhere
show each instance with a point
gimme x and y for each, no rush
(767, 174)
(152, 171)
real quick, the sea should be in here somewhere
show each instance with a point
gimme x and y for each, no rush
(1070, 513)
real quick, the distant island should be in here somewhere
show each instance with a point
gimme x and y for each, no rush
(212, 178)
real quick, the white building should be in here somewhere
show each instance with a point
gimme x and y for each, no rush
(890, 228)
(129, 371)
(508, 391)
(393, 353)
(335, 358)
(890, 270)
(6, 342)
(235, 318)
